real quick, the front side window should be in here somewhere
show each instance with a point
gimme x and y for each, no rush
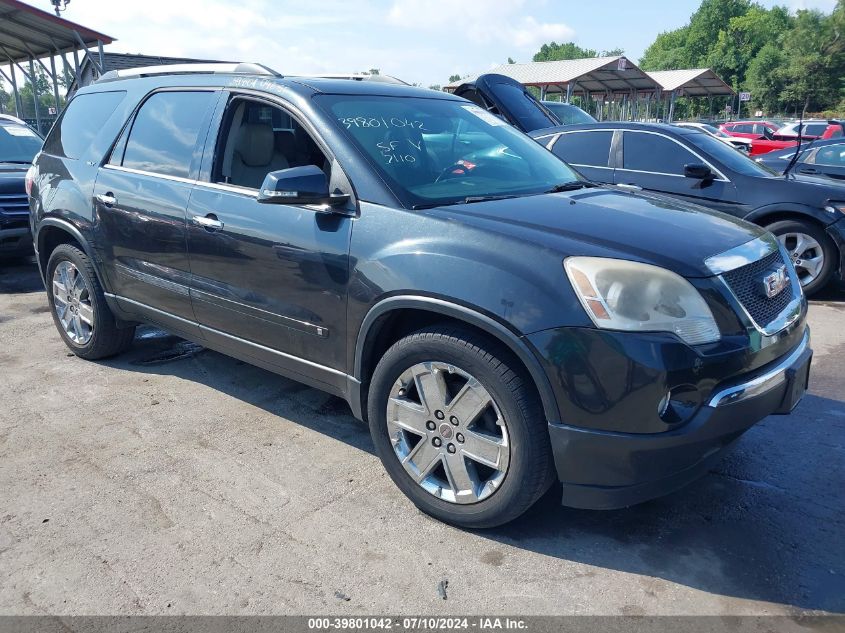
(584, 148)
(657, 154)
(258, 138)
(728, 156)
(18, 143)
(443, 151)
(831, 155)
(164, 135)
(81, 121)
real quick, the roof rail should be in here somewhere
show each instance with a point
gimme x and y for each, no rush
(240, 68)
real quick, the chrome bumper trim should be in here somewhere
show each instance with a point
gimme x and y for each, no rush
(758, 385)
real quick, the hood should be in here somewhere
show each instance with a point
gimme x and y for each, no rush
(609, 222)
(509, 99)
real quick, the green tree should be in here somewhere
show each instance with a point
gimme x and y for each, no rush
(436, 87)
(511, 61)
(568, 50)
(813, 76)
(765, 78)
(668, 51)
(454, 78)
(613, 52)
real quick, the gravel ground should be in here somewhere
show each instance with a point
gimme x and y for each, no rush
(175, 480)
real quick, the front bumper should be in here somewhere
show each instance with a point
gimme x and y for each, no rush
(602, 469)
(836, 231)
(15, 242)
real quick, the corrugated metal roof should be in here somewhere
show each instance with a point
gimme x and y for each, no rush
(694, 82)
(593, 74)
(29, 32)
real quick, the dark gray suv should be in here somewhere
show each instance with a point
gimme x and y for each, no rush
(498, 321)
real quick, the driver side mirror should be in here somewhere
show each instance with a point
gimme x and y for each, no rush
(299, 185)
(698, 171)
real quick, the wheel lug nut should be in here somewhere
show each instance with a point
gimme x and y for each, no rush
(430, 425)
(460, 438)
(451, 448)
(437, 441)
(439, 414)
(453, 420)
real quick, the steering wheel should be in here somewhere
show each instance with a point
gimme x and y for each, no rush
(456, 169)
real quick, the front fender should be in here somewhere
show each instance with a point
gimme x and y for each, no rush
(760, 215)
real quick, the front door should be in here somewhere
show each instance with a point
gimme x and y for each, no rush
(141, 196)
(268, 280)
(656, 163)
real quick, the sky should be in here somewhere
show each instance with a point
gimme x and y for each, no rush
(419, 41)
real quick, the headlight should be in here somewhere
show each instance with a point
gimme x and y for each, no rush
(634, 297)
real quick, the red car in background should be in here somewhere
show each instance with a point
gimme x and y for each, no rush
(788, 136)
(750, 129)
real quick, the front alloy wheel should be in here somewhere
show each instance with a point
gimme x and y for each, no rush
(459, 427)
(448, 432)
(806, 253)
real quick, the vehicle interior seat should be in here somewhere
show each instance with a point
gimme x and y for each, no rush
(255, 155)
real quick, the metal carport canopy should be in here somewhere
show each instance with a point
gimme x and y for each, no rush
(594, 74)
(27, 32)
(694, 82)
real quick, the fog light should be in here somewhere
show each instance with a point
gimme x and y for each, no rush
(679, 405)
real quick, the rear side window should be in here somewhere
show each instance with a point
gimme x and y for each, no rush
(657, 154)
(163, 138)
(813, 129)
(832, 155)
(584, 148)
(81, 121)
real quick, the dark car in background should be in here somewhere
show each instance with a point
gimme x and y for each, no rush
(818, 158)
(510, 100)
(567, 113)
(500, 322)
(18, 145)
(806, 214)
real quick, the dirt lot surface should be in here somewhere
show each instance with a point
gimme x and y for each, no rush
(175, 480)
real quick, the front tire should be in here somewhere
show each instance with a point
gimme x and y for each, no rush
(79, 308)
(458, 428)
(812, 252)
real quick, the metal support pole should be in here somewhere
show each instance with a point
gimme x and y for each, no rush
(569, 92)
(672, 106)
(33, 80)
(55, 86)
(18, 104)
(102, 56)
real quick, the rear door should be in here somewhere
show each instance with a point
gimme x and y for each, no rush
(588, 151)
(655, 162)
(140, 198)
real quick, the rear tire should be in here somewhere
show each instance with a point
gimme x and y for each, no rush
(812, 251)
(491, 462)
(79, 308)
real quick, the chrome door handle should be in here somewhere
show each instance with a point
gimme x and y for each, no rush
(107, 199)
(207, 222)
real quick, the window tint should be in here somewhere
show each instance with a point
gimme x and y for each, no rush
(650, 152)
(584, 148)
(522, 107)
(744, 129)
(832, 155)
(813, 129)
(18, 144)
(568, 113)
(81, 121)
(164, 134)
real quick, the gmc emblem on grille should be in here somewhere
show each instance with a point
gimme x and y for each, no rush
(775, 282)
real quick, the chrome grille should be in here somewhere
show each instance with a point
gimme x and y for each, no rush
(746, 284)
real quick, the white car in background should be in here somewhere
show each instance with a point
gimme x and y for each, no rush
(742, 144)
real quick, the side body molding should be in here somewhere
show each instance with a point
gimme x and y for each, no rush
(447, 308)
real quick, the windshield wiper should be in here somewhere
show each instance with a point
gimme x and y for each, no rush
(571, 186)
(467, 200)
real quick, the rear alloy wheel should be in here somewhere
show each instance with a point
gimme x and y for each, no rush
(812, 252)
(458, 427)
(79, 306)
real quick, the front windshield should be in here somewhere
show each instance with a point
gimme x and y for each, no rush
(729, 156)
(18, 144)
(437, 151)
